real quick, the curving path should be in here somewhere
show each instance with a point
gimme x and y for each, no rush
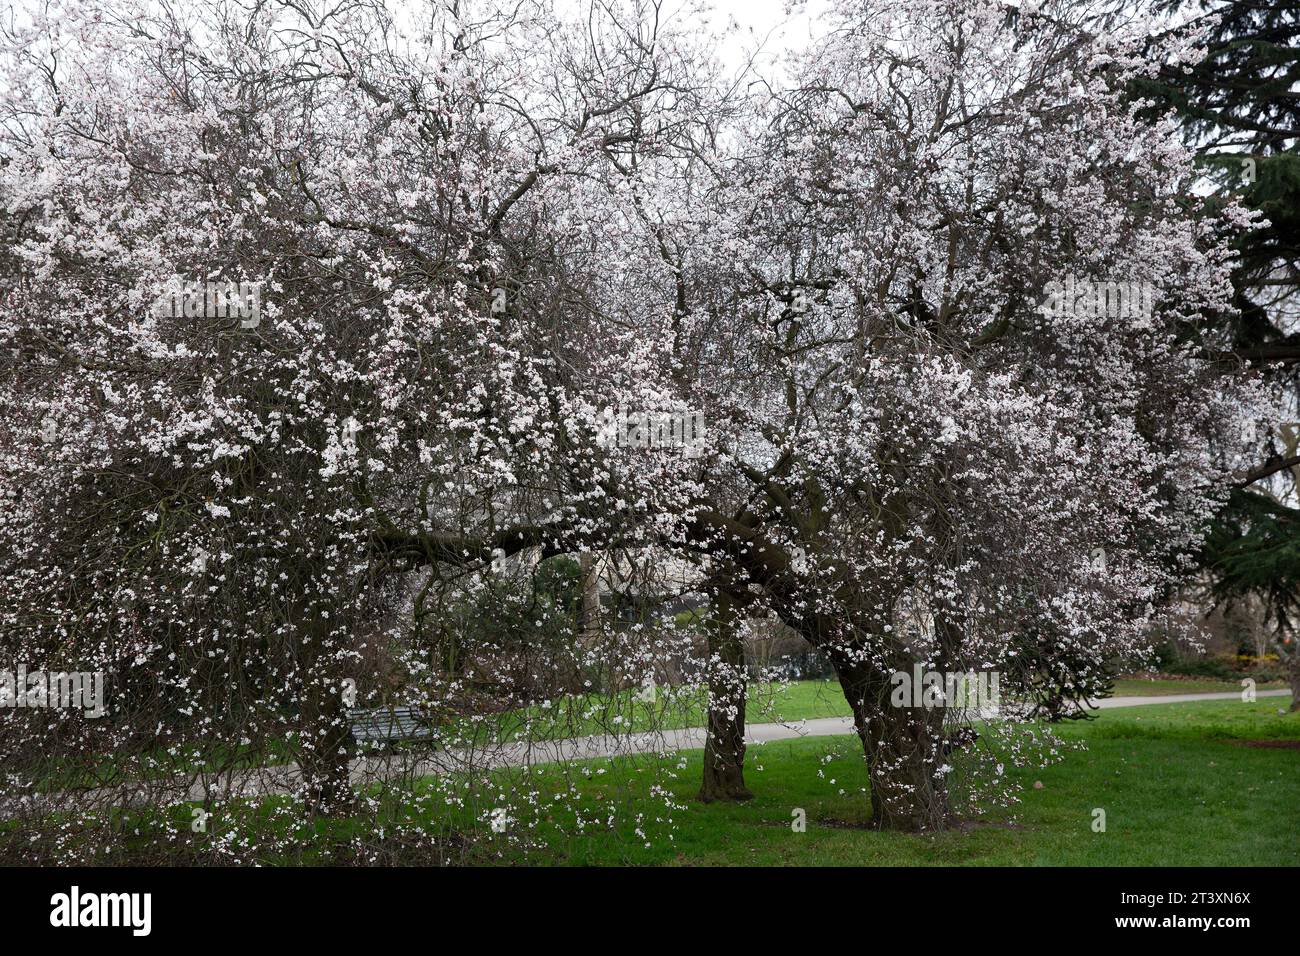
(284, 779)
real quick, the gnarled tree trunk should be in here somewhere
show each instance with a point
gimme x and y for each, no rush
(903, 748)
(724, 747)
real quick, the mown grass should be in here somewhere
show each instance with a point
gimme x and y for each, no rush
(675, 708)
(671, 708)
(1180, 784)
(1136, 687)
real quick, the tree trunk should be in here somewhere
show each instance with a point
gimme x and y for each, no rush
(323, 753)
(1293, 677)
(590, 624)
(327, 787)
(903, 748)
(724, 747)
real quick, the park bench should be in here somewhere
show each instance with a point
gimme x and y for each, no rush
(384, 725)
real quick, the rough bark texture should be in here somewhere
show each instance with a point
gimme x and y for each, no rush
(1293, 675)
(724, 748)
(903, 746)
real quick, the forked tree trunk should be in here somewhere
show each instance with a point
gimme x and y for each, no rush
(903, 748)
(724, 747)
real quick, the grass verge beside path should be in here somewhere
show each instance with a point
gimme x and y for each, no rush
(1181, 785)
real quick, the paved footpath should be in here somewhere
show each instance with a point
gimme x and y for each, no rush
(284, 779)
(667, 741)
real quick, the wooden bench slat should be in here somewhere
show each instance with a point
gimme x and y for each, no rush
(387, 723)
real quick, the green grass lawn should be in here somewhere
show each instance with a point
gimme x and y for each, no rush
(1131, 687)
(1190, 784)
(674, 708)
(1177, 784)
(671, 709)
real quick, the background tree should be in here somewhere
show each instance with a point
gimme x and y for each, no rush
(1240, 110)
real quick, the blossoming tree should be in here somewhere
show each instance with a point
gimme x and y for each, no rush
(472, 233)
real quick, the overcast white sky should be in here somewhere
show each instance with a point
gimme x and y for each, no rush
(765, 24)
